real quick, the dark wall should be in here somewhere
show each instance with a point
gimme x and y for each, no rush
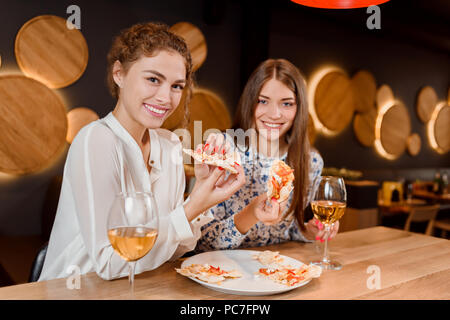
(395, 55)
(239, 35)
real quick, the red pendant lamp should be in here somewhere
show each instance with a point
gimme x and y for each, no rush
(339, 4)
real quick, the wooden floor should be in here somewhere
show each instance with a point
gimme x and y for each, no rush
(17, 254)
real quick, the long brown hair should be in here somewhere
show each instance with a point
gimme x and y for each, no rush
(297, 137)
(148, 39)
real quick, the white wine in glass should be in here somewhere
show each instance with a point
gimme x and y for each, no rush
(328, 206)
(132, 227)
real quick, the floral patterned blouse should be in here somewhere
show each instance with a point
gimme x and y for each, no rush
(221, 233)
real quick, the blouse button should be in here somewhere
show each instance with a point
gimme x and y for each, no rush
(152, 162)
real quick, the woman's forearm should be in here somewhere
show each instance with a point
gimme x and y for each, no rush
(245, 219)
(193, 208)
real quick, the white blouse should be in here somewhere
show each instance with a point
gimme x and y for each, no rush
(103, 161)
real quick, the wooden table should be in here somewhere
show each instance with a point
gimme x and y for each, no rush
(430, 196)
(413, 266)
(390, 208)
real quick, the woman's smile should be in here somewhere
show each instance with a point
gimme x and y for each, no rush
(155, 110)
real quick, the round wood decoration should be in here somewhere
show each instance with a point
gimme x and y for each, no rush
(426, 102)
(208, 108)
(395, 129)
(311, 131)
(448, 96)
(195, 41)
(333, 101)
(78, 118)
(414, 144)
(364, 89)
(48, 51)
(364, 127)
(442, 129)
(33, 125)
(384, 95)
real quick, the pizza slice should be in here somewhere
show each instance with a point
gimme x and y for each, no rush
(208, 273)
(269, 258)
(280, 183)
(226, 161)
(290, 276)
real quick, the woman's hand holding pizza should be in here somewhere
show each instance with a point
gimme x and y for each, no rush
(267, 212)
(213, 185)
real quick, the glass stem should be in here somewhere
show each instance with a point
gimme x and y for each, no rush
(131, 266)
(325, 259)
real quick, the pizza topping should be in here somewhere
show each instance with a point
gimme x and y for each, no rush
(227, 161)
(290, 276)
(280, 183)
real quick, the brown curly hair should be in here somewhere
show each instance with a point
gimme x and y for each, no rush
(148, 39)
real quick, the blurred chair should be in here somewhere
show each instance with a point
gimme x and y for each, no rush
(422, 214)
(38, 263)
(444, 225)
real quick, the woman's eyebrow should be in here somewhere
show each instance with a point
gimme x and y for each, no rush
(156, 73)
(163, 77)
(290, 98)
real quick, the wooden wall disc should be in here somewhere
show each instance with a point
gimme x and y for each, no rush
(311, 131)
(442, 129)
(333, 101)
(33, 125)
(208, 108)
(78, 118)
(46, 50)
(384, 95)
(364, 89)
(364, 127)
(414, 144)
(448, 96)
(395, 129)
(195, 41)
(426, 102)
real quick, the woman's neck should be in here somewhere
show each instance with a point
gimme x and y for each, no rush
(136, 130)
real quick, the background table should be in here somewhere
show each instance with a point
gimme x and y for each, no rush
(413, 266)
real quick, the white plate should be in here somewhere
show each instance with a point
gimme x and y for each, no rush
(242, 261)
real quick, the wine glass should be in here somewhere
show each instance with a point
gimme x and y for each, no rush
(133, 227)
(328, 206)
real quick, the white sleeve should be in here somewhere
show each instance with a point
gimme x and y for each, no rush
(95, 180)
(188, 232)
